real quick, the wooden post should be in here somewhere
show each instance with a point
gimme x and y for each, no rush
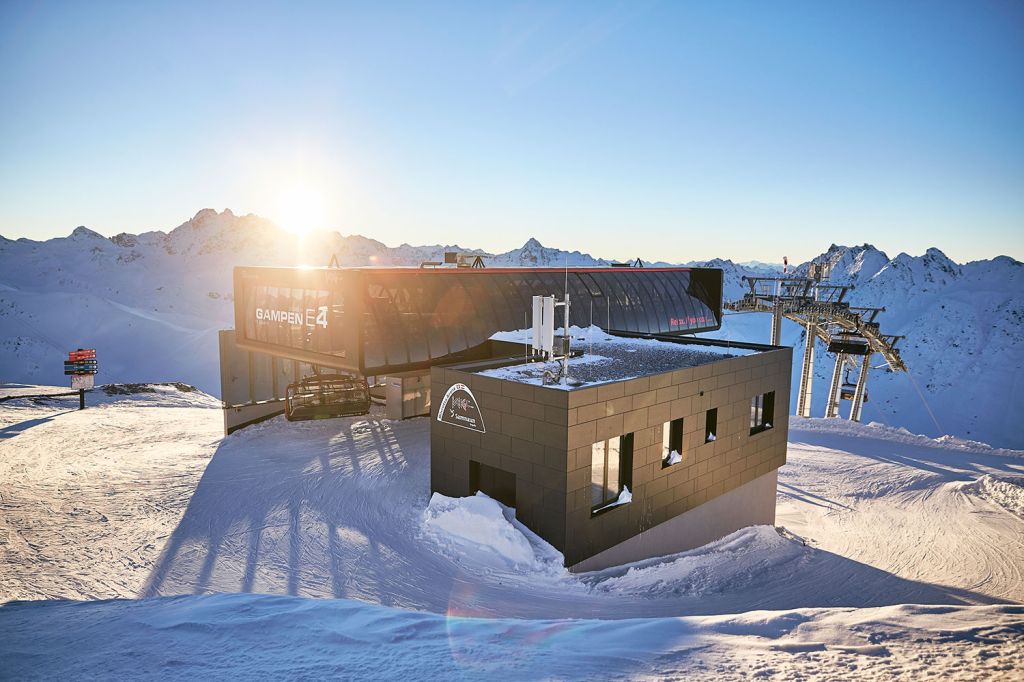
(81, 398)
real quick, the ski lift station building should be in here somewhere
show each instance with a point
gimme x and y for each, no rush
(659, 441)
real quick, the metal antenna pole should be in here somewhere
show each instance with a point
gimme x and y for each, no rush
(565, 340)
(526, 337)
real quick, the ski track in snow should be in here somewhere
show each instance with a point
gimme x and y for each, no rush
(140, 497)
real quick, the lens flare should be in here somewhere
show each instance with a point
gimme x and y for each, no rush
(301, 209)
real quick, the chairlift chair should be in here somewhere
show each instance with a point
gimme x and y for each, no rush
(849, 389)
(850, 344)
(323, 396)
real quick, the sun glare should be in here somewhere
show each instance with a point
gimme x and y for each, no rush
(301, 209)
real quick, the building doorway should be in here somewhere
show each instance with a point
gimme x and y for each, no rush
(497, 484)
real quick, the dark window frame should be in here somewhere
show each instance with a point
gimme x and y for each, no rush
(711, 425)
(625, 473)
(762, 412)
(672, 441)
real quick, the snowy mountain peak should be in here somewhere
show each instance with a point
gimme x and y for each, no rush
(205, 215)
(1004, 261)
(83, 232)
(933, 260)
(125, 240)
(533, 253)
(849, 264)
(210, 219)
(937, 259)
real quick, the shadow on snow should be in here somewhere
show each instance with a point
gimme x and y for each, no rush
(332, 509)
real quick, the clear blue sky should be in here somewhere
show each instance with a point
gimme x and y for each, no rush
(671, 130)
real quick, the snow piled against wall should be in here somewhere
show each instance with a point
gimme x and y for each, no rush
(476, 525)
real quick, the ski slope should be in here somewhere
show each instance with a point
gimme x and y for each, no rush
(895, 554)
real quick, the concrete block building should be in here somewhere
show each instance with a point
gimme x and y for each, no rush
(664, 446)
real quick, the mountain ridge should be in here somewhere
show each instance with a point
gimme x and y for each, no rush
(153, 302)
(208, 216)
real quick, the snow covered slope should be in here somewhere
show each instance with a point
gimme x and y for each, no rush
(251, 637)
(139, 498)
(152, 304)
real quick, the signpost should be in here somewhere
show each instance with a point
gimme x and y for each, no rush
(81, 366)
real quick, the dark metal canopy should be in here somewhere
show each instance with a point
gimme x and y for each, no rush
(386, 320)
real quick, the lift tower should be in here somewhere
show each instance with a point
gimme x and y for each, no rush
(821, 309)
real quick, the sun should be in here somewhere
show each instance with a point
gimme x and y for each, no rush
(301, 209)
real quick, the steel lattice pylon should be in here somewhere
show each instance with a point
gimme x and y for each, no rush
(819, 307)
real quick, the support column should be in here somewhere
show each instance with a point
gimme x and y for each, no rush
(777, 323)
(803, 400)
(273, 375)
(832, 408)
(858, 394)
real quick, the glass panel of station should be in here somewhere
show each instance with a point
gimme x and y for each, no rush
(412, 318)
(300, 318)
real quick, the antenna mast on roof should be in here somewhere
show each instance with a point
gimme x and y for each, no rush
(566, 337)
(544, 330)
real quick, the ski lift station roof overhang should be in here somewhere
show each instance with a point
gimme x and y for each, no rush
(377, 321)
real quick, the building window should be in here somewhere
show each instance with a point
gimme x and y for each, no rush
(611, 472)
(672, 443)
(711, 425)
(762, 412)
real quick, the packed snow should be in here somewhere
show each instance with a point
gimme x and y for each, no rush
(608, 358)
(248, 636)
(895, 555)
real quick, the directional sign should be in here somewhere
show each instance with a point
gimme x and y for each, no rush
(81, 365)
(74, 367)
(81, 361)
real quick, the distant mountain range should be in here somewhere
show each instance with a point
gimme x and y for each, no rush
(152, 304)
